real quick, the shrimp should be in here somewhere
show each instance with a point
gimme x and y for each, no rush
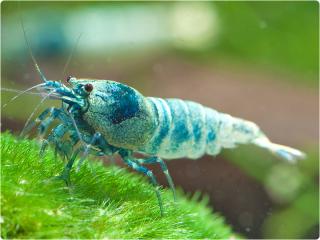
(103, 117)
(108, 117)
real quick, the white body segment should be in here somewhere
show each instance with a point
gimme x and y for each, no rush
(188, 129)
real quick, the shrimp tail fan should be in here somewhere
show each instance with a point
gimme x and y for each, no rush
(284, 152)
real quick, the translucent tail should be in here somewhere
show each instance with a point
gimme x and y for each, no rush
(287, 153)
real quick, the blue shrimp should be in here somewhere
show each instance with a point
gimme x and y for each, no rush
(109, 117)
(106, 117)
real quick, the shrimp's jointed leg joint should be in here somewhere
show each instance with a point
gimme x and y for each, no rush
(65, 175)
(55, 137)
(165, 170)
(134, 164)
(97, 136)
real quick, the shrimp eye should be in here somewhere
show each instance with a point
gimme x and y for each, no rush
(88, 87)
(68, 78)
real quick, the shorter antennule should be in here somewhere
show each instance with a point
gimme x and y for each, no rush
(43, 78)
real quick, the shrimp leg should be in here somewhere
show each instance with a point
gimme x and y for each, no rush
(164, 168)
(133, 163)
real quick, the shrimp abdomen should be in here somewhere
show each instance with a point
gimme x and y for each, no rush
(188, 129)
(185, 129)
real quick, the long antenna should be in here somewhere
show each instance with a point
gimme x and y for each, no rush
(20, 93)
(43, 78)
(71, 53)
(35, 109)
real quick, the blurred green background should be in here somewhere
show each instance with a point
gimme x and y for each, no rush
(255, 60)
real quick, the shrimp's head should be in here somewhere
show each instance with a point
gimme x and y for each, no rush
(74, 94)
(118, 111)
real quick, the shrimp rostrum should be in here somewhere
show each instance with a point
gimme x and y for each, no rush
(106, 117)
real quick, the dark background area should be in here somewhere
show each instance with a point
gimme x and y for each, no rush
(254, 60)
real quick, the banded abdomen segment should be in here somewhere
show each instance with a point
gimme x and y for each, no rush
(233, 131)
(188, 129)
(185, 129)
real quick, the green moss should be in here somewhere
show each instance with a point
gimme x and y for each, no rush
(103, 202)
